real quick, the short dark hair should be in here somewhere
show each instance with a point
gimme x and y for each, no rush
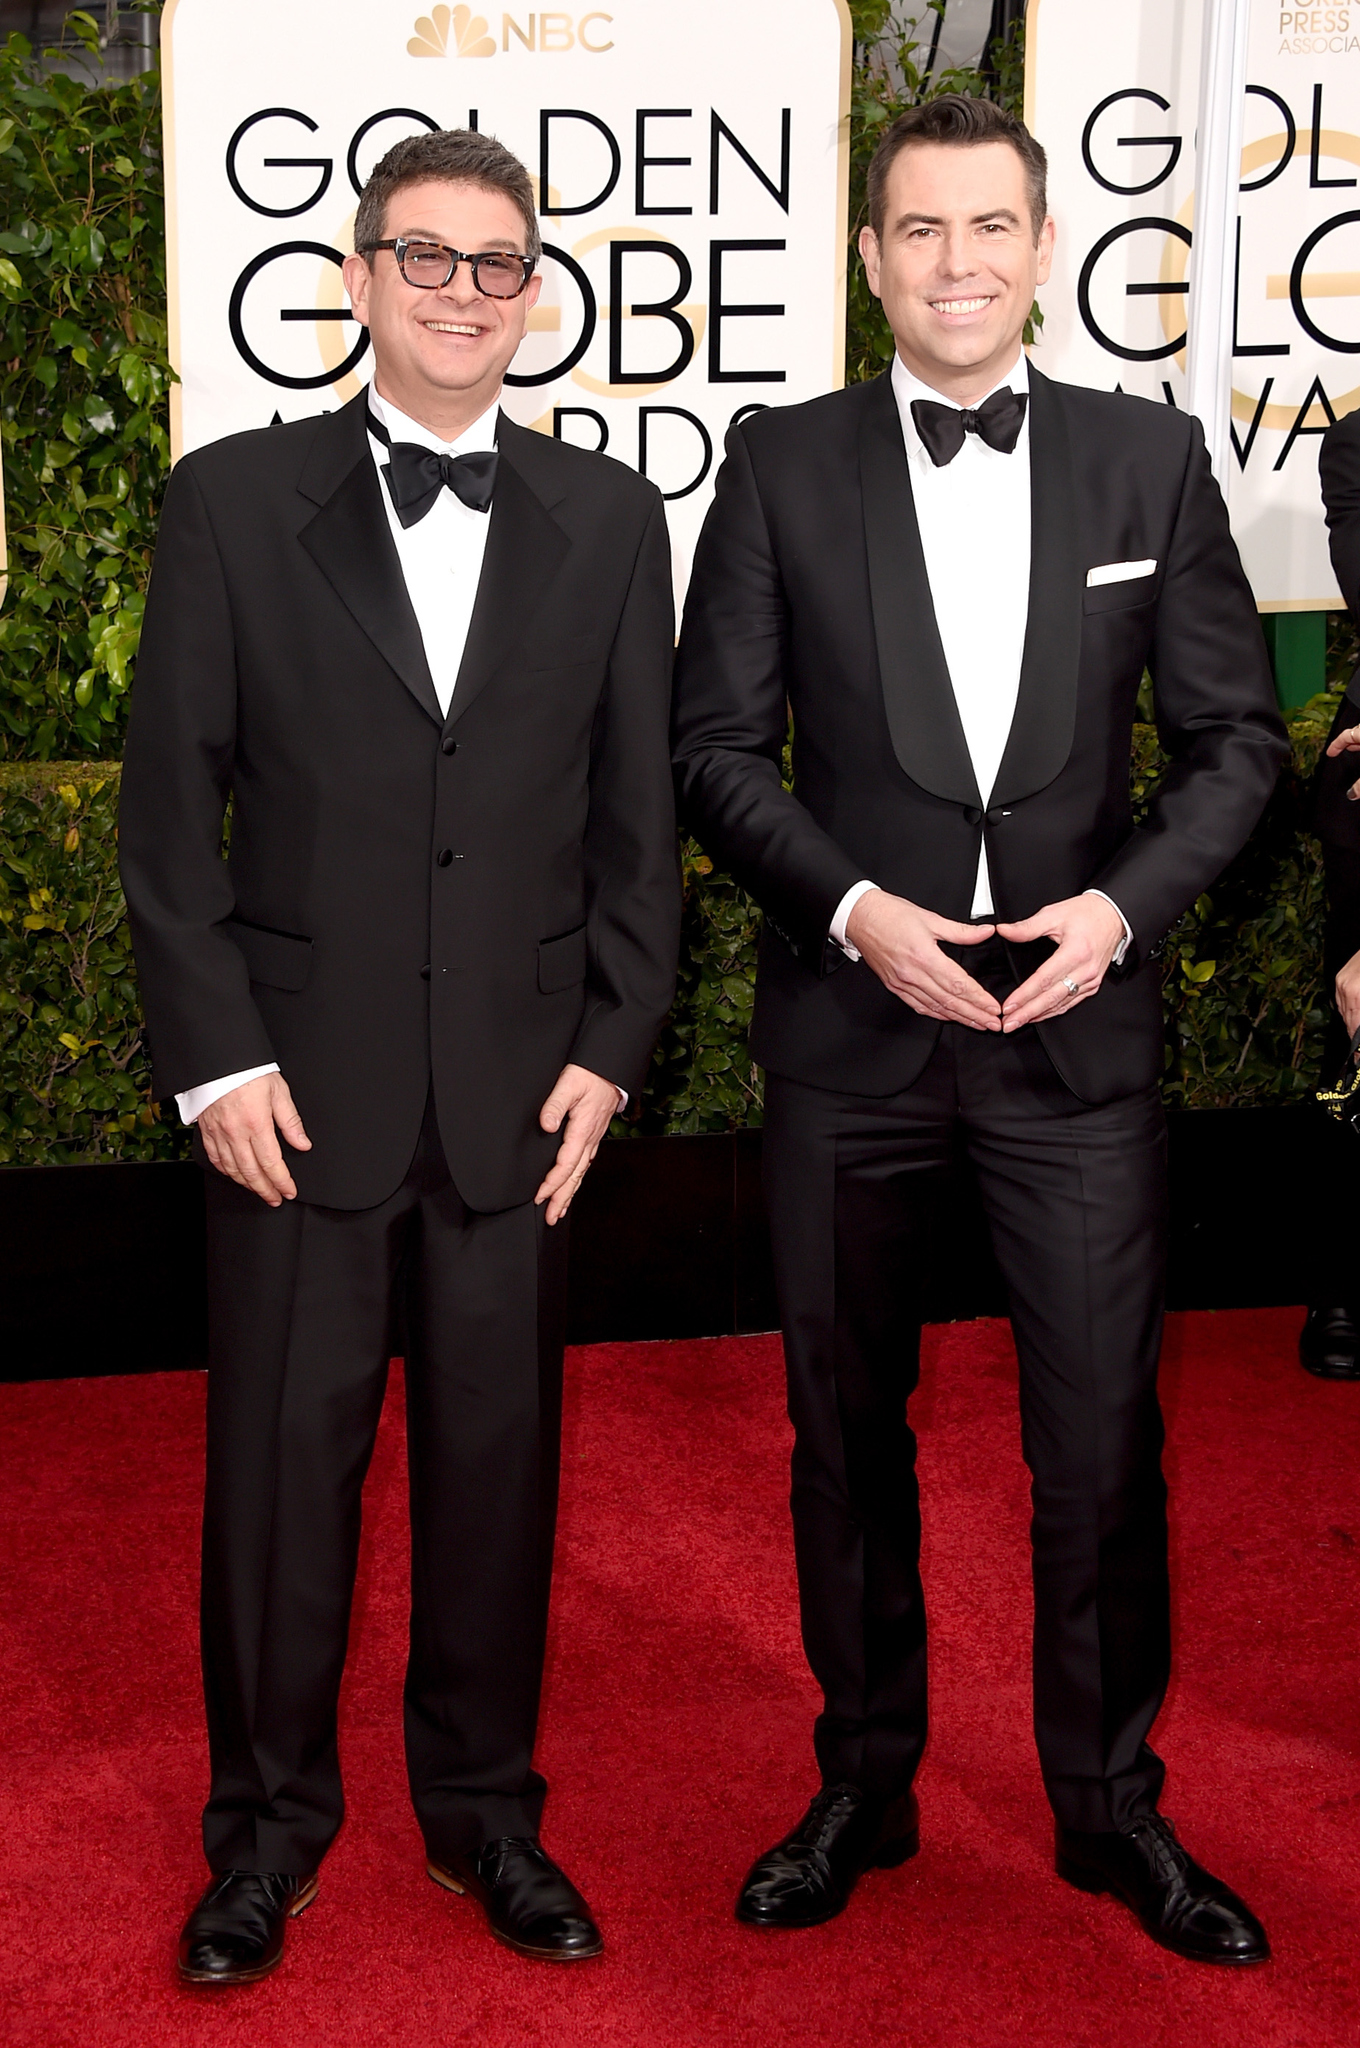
(960, 121)
(459, 156)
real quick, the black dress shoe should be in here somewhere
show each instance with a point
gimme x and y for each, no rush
(235, 1932)
(531, 1905)
(809, 1876)
(1329, 1344)
(1179, 1903)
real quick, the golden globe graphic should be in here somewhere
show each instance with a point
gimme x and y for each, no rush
(1117, 114)
(693, 208)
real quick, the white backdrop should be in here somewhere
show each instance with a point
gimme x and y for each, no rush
(696, 164)
(1112, 93)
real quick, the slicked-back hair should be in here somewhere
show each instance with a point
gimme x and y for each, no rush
(457, 156)
(962, 122)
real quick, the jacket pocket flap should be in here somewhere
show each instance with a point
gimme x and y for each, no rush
(562, 962)
(274, 959)
(1117, 597)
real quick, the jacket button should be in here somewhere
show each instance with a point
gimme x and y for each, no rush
(425, 971)
(448, 745)
(972, 815)
(445, 857)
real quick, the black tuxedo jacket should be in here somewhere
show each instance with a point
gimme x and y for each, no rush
(810, 593)
(1339, 473)
(1336, 818)
(482, 898)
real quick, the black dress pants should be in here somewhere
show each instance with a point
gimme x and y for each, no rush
(302, 1302)
(1075, 1199)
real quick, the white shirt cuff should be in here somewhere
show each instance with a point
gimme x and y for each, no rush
(842, 917)
(1122, 948)
(194, 1101)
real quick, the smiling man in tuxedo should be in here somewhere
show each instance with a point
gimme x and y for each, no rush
(953, 577)
(426, 655)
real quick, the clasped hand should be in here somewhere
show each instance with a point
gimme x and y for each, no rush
(903, 944)
(239, 1135)
(1347, 742)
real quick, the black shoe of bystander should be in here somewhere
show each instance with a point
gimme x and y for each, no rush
(1329, 1344)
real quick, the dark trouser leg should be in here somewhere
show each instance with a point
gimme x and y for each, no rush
(300, 1313)
(1076, 1201)
(298, 1303)
(487, 1314)
(848, 1180)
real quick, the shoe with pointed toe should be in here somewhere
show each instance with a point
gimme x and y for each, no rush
(809, 1876)
(235, 1933)
(530, 1905)
(1329, 1344)
(1180, 1904)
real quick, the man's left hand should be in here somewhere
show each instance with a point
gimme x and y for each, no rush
(1347, 742)
(1088, 932)
(581, 1107)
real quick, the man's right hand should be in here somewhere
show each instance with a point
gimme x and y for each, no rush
(901, 943)
(1348, 994)
(238, 1137)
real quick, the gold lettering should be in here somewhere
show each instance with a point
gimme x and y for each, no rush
(507, 24)
(558, 27)
(595, 49)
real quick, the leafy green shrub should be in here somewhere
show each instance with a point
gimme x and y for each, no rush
(74, 1075)
(84, 379)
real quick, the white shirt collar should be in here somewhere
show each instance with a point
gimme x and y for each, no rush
(481, 434)
(906, 386)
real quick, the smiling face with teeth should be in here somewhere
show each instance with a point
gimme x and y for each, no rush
(958, 264)
(441, 356)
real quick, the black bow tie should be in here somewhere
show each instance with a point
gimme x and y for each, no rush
(415, 476)
(942, 427)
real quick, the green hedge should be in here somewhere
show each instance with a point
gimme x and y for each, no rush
(74, 1077)
(84, 382)
(83, 394)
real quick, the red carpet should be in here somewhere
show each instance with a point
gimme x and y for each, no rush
(676, 1731)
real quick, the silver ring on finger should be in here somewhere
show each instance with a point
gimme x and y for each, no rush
(1073, 987)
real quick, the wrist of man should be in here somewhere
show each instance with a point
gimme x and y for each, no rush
(192, 1103)
(1122, 948)
(839, 922)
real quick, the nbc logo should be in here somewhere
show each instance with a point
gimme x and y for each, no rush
(470, 38)
(469, 34)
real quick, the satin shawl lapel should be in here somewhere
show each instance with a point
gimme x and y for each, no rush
(1046, 707)
(524, 551)
(351, 543)
(923, 717)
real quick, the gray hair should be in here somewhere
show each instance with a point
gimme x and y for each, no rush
(458, 156)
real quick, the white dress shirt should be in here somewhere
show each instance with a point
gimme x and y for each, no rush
(441, 560)
(974, 519)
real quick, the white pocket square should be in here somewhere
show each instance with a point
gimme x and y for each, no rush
(1117, 572)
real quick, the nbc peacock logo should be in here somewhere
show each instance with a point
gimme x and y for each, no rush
(457, 25)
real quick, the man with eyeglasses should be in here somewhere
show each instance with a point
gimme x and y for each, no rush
(425, 654)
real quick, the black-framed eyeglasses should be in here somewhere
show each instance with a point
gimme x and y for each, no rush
(496, 273)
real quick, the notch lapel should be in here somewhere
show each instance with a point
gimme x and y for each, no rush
(524, 550)
(1045, 719)
(923, 717)
(351, 543)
